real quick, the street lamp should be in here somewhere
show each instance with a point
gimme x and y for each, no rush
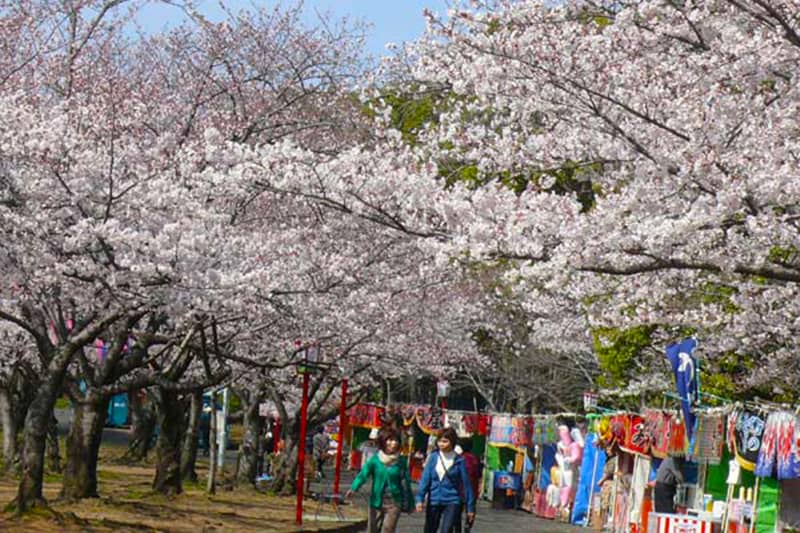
(345, 371)
(443, 391)
(310, 359)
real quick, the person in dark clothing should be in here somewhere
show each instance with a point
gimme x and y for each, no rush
(320, 446)
(474, 473)
(668, 477)
(446, 486)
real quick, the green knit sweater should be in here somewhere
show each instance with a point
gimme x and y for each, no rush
(394, 479)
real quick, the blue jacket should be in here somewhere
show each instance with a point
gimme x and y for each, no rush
(454, 487)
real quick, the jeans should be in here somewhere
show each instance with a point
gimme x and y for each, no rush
(445, 515)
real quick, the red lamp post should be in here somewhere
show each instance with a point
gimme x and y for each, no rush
(301, 451)
(340, 443)
(310, 360)
(443, 391)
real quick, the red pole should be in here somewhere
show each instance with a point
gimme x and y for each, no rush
(301, 451)
(340, 444)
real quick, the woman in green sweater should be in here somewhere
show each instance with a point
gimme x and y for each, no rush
(391, 485)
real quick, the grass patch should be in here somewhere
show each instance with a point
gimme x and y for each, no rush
(127, 503)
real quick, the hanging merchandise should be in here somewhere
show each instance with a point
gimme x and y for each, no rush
(677, 435)
(788, 460)
(594, 460)
(366, 415)
(429, 419)
(466, 424)
(512, 431)
(657, 426)
(544, 430)
(765, 462)
(749, 429)
(409, 413)
(709, 440)
(636, 439)
(617, 425)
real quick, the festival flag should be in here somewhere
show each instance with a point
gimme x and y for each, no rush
(684, 365)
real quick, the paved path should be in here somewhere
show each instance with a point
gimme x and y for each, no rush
(487, 520)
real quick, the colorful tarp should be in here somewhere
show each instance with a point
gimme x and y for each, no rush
(788, 452)
(709, 440)
(466, 424)
(545, 430)
(511, 431)
(430, 419)
(745, 431)
(636, 439)
(366, 415)
(594, 460)
(657, 426)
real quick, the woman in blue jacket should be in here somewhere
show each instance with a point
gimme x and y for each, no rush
(446, 484)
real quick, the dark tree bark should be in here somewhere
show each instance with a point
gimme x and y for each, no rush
(83, 446)
(285, 469)
(250, 449)
(37, 425)
(53, 447)
(143, 426)
(9, 426)
(211, 487)
(189, 452)
(168, 447)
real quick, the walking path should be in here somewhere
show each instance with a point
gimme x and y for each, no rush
(487, 520)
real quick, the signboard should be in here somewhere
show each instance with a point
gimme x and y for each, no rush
(507, 481)
(589, 401)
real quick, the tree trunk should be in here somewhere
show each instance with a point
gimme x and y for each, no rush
(285, 472)
(37, 424)
(250, 449)
(143, 425)
(168, 447)
(212, 446)
(83, 446)
(53, 448)
(189, 452)
(9, 425)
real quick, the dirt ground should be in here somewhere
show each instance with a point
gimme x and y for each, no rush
(128, 504)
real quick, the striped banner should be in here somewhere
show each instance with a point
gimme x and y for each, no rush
(671, 523)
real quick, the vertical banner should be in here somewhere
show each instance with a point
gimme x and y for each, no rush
(684, 365)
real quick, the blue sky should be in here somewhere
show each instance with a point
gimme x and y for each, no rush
(391, 20)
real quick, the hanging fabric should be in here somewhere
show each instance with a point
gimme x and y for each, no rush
(366, 415)
(636, 439)
(512, 432)
(677, 435)
(709, 440)
(788, 460)
(747, 434)
(657, 427)
(765, 462)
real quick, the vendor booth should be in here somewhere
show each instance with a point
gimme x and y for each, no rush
(509, 442)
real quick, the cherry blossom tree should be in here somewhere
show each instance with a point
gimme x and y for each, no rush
(673, 191)
(108, 218)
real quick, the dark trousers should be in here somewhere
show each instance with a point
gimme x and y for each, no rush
(441, 517)
(664, 498)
